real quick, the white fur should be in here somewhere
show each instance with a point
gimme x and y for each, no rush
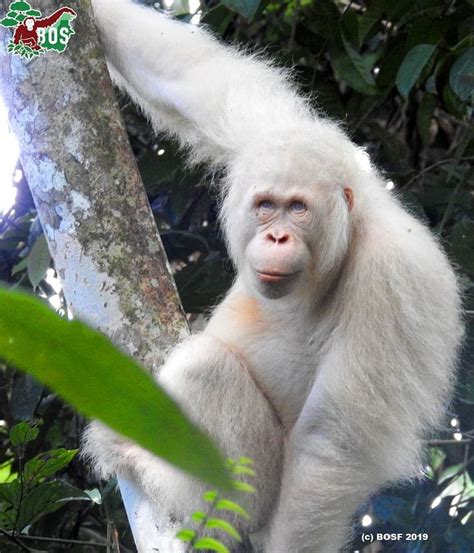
(343, 377)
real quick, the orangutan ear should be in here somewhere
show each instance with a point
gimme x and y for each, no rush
(349, 195)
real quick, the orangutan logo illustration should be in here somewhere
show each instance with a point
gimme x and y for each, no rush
(35, 35)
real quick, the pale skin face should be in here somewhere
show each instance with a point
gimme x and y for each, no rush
(282, 248)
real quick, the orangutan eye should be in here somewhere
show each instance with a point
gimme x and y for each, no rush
(266, 205)
(298, 207)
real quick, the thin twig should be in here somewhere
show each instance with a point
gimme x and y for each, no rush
(437, 164)
(57, 540)
(15, 540)
(449, 442)
(296, 15)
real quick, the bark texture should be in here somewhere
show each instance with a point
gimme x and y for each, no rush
(92, 204)
(88, 192)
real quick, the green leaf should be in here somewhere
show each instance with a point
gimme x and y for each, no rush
(38, 261)
(89, 372)
(7, 522)
(247, 8)
(461, 76)
(424, 117)
(198, 516)
(449, 472)
(243, 470)
(8, 22)
(353, 68)
(243, 486)
(186, 534)
(220, 524)
(33, 504)
(228, 505)
(350, 26)
(47, 463)
(466, 391)
(6, 474)
(33, 13)
(46, 498)
(425, 30)
(218, 19)
(453, 103)
(210, 496)
(20, 266)
(23, 433)
(437, 457)
(372, 15)
(211, 544)
(246, 461)
(412, 66)
(407, 11)
(430, 84)
(10, 493)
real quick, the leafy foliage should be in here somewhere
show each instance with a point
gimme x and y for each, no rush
(87, 370)
(206, 521)
(29, 494)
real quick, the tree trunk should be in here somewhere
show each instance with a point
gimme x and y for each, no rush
(92, 203)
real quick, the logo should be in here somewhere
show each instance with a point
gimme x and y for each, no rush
(34, 35)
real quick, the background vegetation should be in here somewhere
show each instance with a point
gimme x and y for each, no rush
(399, 76)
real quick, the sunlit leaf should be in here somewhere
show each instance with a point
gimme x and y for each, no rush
(243, 487)
(210, 544)
(6, 474)
(23, 433)
(412, 66)
(186, 534)
(246, 461)
(243, 470)
(210, 495)
(228, 505)
(88, 371)
(220, 524)
(47, 463)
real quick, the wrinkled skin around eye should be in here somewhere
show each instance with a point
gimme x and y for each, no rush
(298, 207)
